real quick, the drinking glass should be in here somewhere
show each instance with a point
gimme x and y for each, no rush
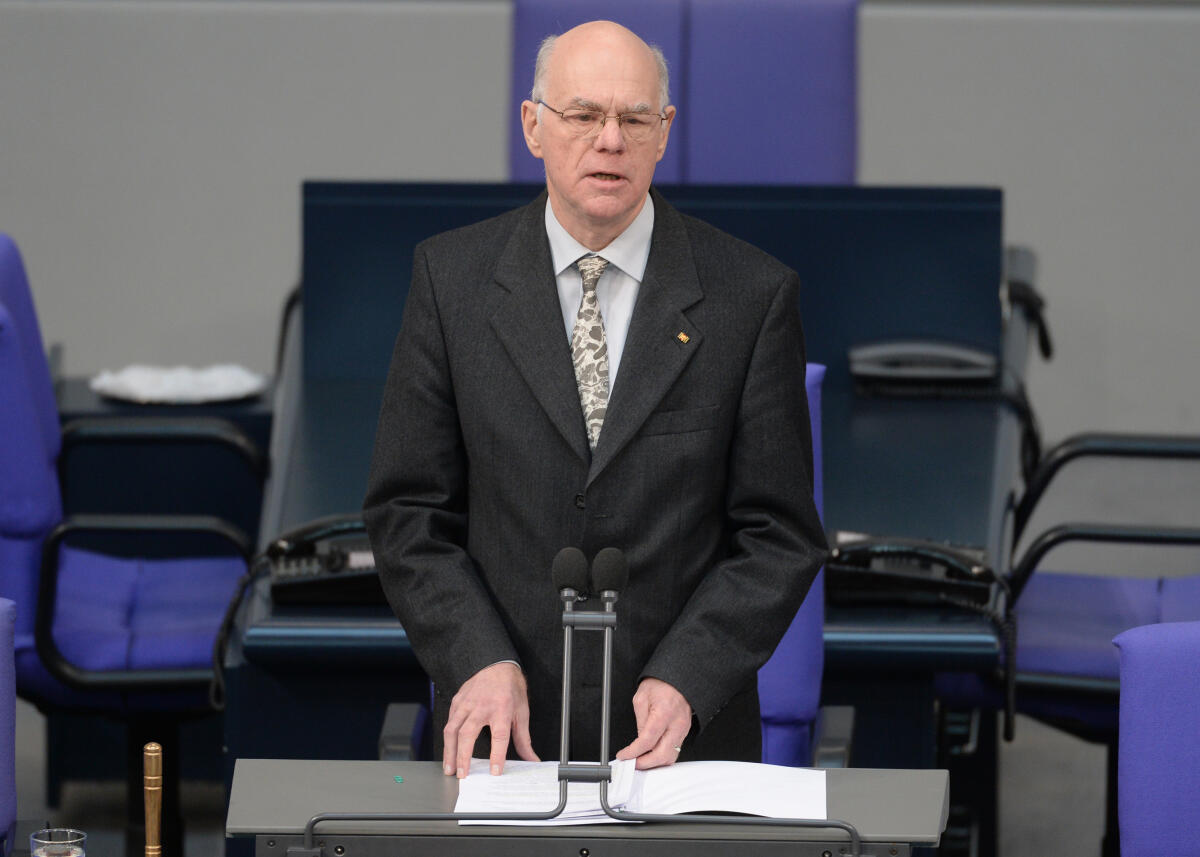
(57, 842)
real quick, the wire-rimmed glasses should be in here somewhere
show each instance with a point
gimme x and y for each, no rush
(636, 126)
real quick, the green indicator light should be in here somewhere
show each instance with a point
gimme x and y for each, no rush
(398, 779)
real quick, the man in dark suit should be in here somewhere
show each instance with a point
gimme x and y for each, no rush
(596, 369)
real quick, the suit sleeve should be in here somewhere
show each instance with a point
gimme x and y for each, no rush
(736, 616)
(415, 507)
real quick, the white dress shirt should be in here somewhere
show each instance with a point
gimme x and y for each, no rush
(617, 291)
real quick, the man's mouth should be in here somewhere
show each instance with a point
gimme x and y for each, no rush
(608, 177)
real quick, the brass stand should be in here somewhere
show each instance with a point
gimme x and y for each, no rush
(153, 767)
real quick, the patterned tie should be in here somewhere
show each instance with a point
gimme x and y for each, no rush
(589, 349)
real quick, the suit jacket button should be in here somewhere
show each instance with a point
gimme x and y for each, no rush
(579, 503)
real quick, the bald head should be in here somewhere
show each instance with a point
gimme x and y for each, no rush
(605, 36)
(599, 170)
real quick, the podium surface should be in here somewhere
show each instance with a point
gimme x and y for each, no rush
(273, 799)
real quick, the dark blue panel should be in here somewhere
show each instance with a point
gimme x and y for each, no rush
(875, 263)
(357, 262)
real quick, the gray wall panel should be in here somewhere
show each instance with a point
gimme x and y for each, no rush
(151, 153)
(1089, 118)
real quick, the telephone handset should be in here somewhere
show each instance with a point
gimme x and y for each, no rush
(921, 361)
(864, 568)
(326, 561)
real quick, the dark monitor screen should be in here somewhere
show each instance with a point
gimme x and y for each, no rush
(875, 263)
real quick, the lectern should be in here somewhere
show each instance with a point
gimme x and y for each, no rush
(272, 801)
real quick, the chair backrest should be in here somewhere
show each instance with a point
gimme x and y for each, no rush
(789, 684)
(8, 727)
(1159, 740)
(17, 297)
(790, 66)
(790, 69)
(29, 496)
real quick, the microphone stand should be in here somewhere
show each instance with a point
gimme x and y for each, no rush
(584, 620)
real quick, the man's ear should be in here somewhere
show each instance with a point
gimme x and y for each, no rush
(529, 121)
(662, 144)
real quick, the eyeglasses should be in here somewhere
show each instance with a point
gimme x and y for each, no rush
(636, 126)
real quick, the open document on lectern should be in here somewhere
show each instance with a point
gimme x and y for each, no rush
(743, 787)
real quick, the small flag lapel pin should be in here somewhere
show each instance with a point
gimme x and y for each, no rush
(683, 337)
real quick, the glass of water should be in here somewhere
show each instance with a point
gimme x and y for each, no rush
(58, 842)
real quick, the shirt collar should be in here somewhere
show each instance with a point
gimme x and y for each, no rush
(629, 251)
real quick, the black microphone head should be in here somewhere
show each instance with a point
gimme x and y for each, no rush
(609, 571)
(570, 570)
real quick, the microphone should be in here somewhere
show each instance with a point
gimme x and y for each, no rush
(570, 573)
(610, 573)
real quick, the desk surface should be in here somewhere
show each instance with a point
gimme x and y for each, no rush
(279, 796)
(872, 638)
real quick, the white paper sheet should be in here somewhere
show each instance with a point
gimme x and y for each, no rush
(533, 787)
(753, 789)
(768, 790)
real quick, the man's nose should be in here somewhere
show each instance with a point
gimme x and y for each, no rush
(610, 137)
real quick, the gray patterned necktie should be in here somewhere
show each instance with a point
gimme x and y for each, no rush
(589, 349)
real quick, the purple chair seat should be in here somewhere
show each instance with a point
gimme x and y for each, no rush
(114, 613)
(1180, 601)
(1066, 621)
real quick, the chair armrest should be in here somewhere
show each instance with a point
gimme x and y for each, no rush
(834, 741)
(396, 736)
(1020, 281)
(162, 430)
(1105, 533)
(1097, 445)
(48, 651)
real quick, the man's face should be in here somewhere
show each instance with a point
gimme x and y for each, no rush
(597, 184)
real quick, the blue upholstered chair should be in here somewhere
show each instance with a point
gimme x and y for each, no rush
(121, 633)
(8, 727)
(1067, 671)
(789, 684)
(1159, 747)
(799, 92)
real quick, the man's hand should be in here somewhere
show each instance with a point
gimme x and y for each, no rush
(664, 718)
(494, 697)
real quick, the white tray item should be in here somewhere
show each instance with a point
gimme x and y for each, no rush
(179, 385)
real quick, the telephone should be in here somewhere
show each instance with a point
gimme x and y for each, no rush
(863, 569)
(921, 361)
(327, 561)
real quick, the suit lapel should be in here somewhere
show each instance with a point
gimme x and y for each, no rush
(654, 354)
(527, 317)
